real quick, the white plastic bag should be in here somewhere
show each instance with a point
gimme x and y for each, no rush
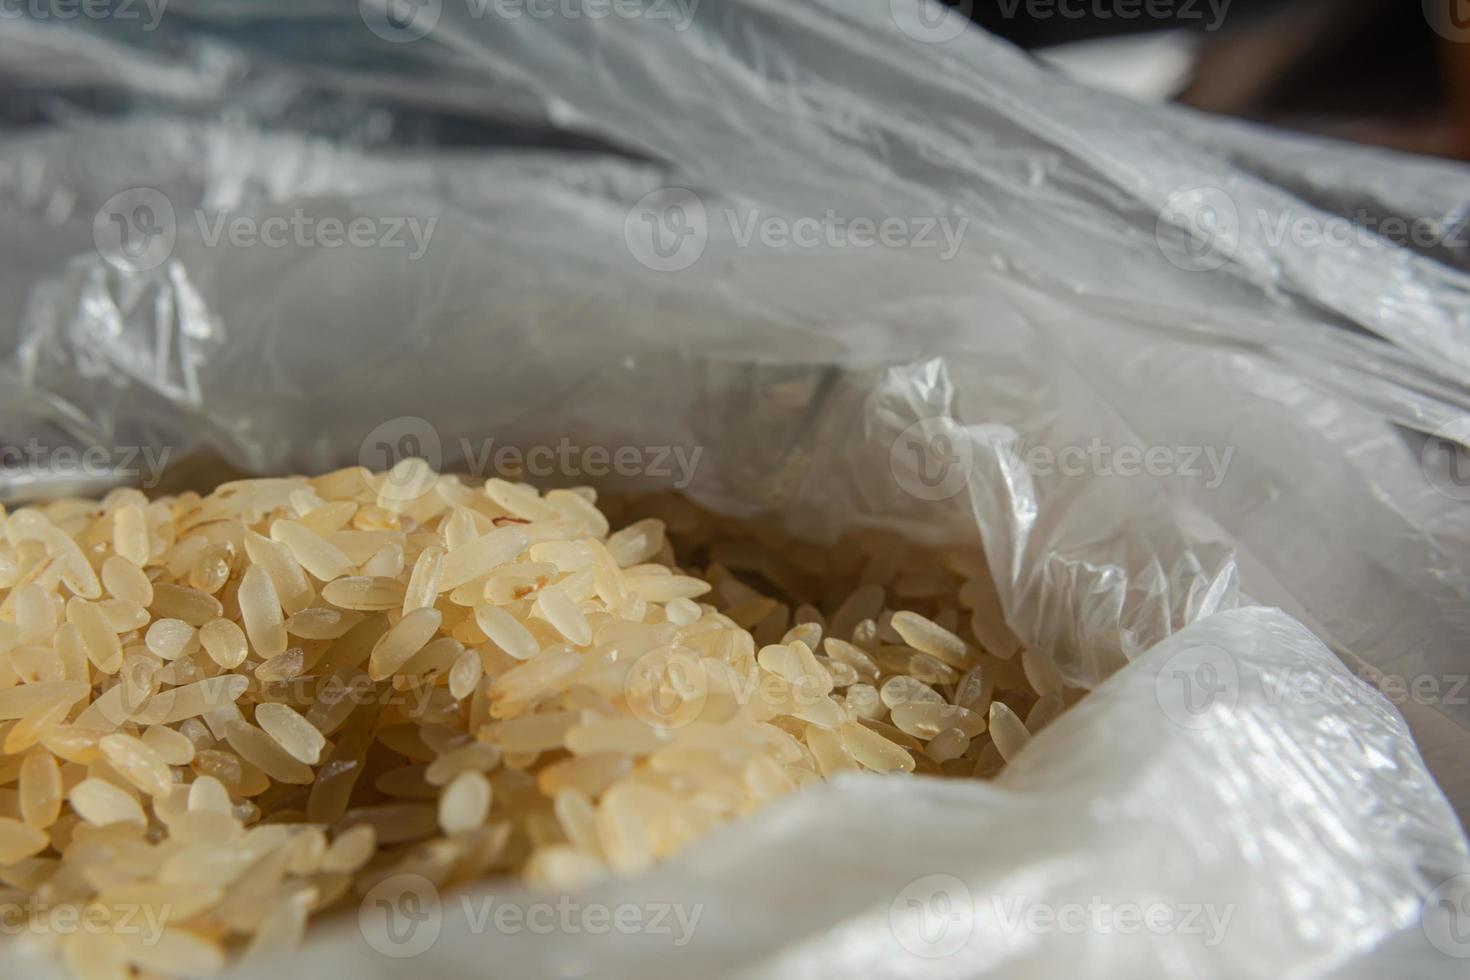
(941, 391)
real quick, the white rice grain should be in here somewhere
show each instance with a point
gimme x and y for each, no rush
(313, 552)
(1007, 731)
(465, 803)
(260, 612)
(274, 696)
(481, 556)
(291, 731)
(102, 804)
(506, 632)
(127, 581)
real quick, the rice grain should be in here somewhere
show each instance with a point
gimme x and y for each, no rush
(191, 722)
(102, 804)
(292, 732)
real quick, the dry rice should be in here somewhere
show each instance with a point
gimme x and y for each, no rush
(524, 692)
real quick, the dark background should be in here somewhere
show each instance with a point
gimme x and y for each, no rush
(1374, 71)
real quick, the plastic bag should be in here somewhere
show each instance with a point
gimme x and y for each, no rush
(1054, 309)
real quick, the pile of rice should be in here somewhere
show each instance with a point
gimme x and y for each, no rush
(247, 708)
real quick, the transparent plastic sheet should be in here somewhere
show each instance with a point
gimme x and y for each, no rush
(821, 385)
